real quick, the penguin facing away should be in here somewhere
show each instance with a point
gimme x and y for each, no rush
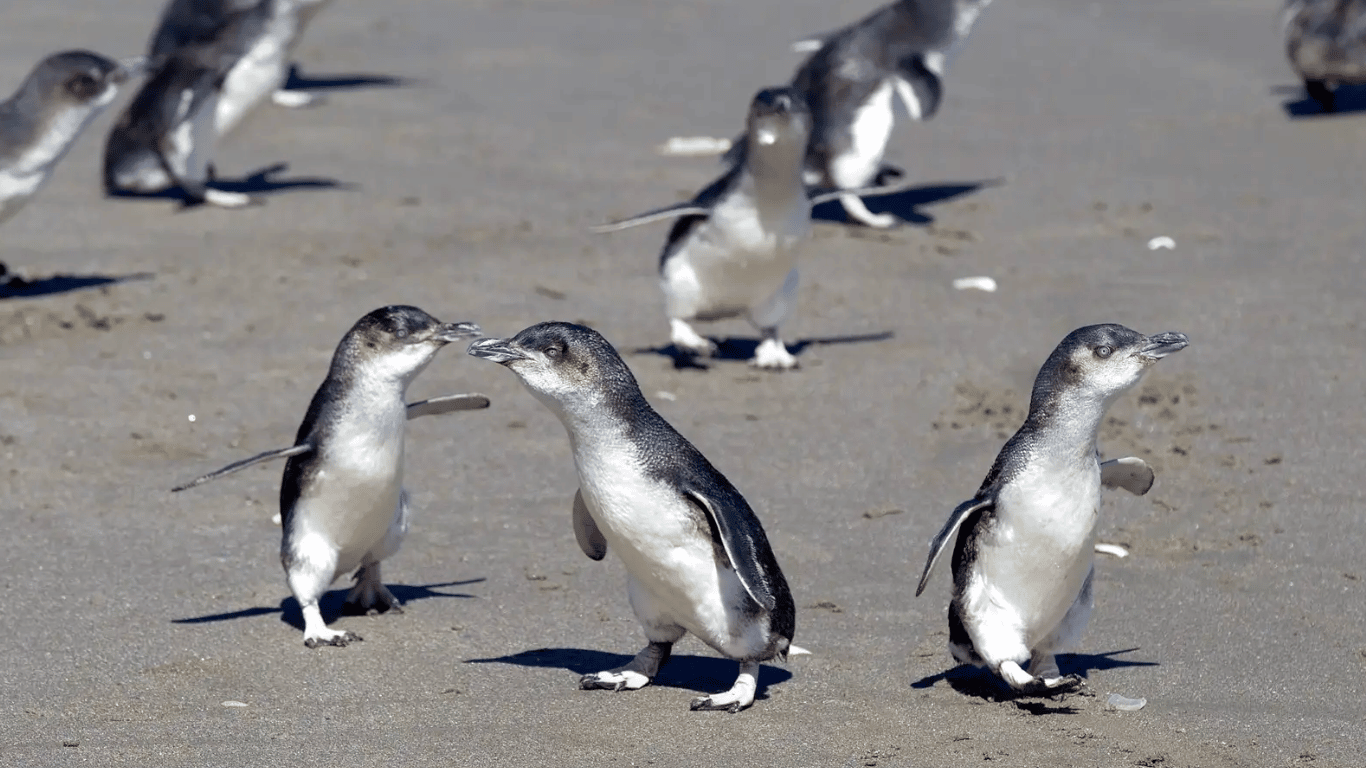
(342, 501)
(1325, 41)
(732, 251)
(696, 556)
(45, 116)
(1023, 545)
(851, 80)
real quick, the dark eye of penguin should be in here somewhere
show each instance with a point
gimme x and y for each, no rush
(1103, 351)
(82, 85)
(402, 334)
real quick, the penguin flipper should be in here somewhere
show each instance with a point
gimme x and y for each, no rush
(279, 453)
(919, 88)
(1130, 473)
(949, 533)
(690, 208)
(586, 530)
(742, 551)
(438, 406)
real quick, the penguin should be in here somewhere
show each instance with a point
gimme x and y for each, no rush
(732, 250)
(43, 119)
(850, 81)
(1023, 545)
(696, 556)
(166, 136)
(1325, 41)
(342, 502)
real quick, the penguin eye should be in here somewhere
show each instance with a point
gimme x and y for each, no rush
(1103, 351)
(402, 334)
(82, 85)
(552, 352)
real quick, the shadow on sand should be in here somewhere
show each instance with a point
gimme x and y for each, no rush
(298, 81)
(16, 287)
(981, 683)
(732, 348)
(703, 674)
(904, 203)
(258, 182)
(1347, 99)
(333, 604)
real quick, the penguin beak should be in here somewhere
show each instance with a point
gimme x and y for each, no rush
(450, 332)
(130, 68)
(1162, 344)
(497, 350)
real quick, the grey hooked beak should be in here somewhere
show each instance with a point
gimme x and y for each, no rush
(130, 68)
(450, 332)
(496, 350)
(1162, 344)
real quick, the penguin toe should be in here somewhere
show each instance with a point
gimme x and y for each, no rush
(614, 681)
(718, 703)
(333, 638)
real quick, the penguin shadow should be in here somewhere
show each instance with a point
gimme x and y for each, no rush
(17, 287)
(703, 674)
(333, 604)
(903, 203)
(980, 683)
(1346, 100)
(297, 81)
(735, 349)
(262, 181)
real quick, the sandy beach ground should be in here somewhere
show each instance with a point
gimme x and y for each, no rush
(131, 615)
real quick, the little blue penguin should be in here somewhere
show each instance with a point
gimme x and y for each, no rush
(42, 120)
(1023, 545)
(851, 78)
(1326, 43)
(696, 556)
(342, 502)
(733, 250)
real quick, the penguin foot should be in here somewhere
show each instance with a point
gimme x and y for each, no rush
(296, 99)
(688, 341)
(614, 680)
(853, 205)
(228, 199)
(1050, 686)
(1319, 91)
(370, 596)
(772, 354)
(331, 637)
(740, 696)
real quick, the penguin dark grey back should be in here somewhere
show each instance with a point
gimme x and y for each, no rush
(1023, 545)
(342, 503)
(697, 556)
(40, 122)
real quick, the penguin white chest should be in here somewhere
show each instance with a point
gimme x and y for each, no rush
(1041, 547)
(869, 129)
(355, 492)
(30, 170)
(261, 71)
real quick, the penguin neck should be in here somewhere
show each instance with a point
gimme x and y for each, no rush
(1068, 424)
(776, 170)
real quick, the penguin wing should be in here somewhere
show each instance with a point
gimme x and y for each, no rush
(690, 208)
(438, 406)
(950, 533)
(918, 87)
(749, 554)
(279, 453)
(1131, 473)
(586, 530)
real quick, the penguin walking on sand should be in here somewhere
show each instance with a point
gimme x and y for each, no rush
(44, 117)
(1023, 545)
(696, 556)
(1326, 43)
(854, 75)
(733, 250)
(167, 135)
(342, 501)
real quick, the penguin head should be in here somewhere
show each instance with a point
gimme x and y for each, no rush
(396, 342)
(78, 79)
(570, 368)
(1099, 362)
(779, 116)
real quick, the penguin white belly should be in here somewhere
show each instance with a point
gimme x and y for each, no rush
(16, 189)
(869, 131)
(656, 533)
(354, 496)
(1029, 571)
(259, 73)
(736, 260)
(28, 173)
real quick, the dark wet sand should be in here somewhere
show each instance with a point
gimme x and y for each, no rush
(130, 615)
